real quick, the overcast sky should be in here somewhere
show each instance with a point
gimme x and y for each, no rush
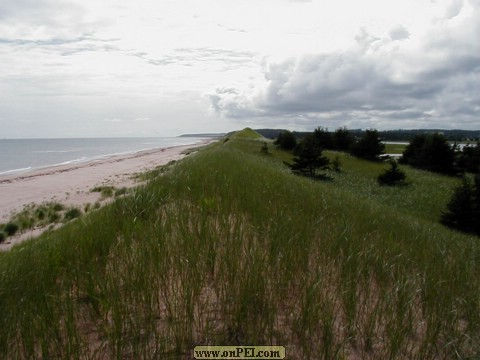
(166, 67)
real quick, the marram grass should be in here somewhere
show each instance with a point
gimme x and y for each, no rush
(228, 247)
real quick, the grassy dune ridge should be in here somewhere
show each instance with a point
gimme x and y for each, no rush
(228, 247)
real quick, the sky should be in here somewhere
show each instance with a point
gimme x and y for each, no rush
(111, 68)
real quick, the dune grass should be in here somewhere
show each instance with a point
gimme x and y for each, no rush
(228, 247)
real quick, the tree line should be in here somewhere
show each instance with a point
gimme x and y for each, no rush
(426, 151)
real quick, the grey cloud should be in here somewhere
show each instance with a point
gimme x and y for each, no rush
(365, 40)
(49, 42)
(46, 22)
(438, 88)
(454, 9)
(23, 8)
(231, 101)
(399, 33)
(64, 46)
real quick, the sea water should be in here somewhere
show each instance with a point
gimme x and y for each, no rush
(23, 155)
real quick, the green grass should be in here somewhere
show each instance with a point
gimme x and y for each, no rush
(425, 196)
(228, 247)
(106, 191)
(395, 148)
(246, 133)
(33, 216)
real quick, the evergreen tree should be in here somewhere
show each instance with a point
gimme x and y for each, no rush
(369, 147)
(392, 176)
(463, 210)
(323, 138)
(286, 140)
(469, 159)
(430, 152)
(476, 205)
(308, 157)
(343, 140)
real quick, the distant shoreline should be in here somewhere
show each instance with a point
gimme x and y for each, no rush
(21, 156)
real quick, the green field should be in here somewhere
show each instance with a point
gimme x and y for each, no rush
(228, 247)
(393, 148)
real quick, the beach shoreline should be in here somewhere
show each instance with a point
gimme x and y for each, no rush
(71, 184)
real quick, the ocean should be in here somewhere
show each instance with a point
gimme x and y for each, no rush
(24, 155)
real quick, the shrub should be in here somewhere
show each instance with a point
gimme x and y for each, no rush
(336, 164)
(40, 213)
(392, 176)
(57, 207)
(11, 228)
(3, 237)
(72, 213)
(53, 217)
(121, 191)
(264, 149)
(105, 191)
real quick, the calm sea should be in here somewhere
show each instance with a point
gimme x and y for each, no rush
(24, 155)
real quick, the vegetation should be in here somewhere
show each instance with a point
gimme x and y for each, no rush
(37, 216)
(72, 213)
(323, 138)
(463, 210)
(469, 159)
(10, 229)
(392, 176)
(228, 247)
(343, 140)
(398, 135)
(246, 133)
(106, 191)
(264, 148)
(430, 152)
(369, 147)
(286, 140)
(395, 148)
(308, 157)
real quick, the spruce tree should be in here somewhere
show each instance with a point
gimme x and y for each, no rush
(369, 147)
(463, 210)
(308, 157)
(286, 140)
(392, 176)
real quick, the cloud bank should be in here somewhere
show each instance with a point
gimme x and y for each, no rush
(383, 82)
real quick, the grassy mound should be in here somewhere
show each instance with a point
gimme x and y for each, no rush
(228, 247)
(246, 133)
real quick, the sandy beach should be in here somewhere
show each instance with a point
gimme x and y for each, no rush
(71, 185)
